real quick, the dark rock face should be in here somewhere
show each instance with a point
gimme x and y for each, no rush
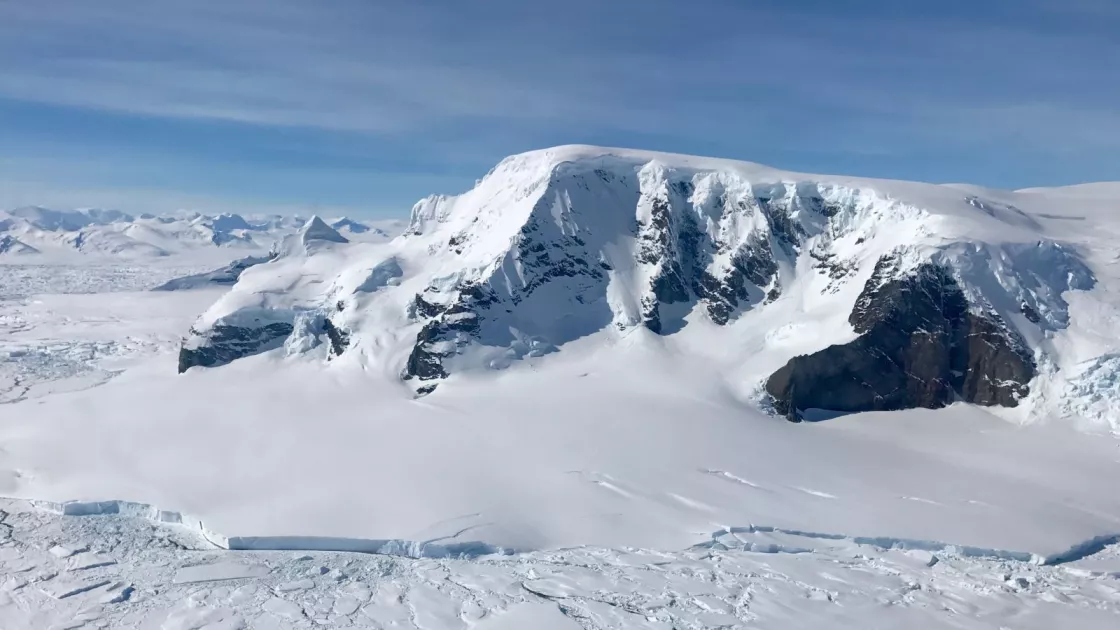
(229, 343)
(920, 345)
(11, 244)
(222, 344)
(442, 336)
(545, 259)
(753, 275)
(339, 338)
(657, 246)
(425, 361)
(753, 265)
(423, 309)
(1029, 312)
(835, 268)
(786, 231)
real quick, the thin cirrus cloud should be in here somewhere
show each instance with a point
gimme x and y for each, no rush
(389, 70)
(1006, 93)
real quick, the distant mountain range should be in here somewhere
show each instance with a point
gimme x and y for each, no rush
(34, 231)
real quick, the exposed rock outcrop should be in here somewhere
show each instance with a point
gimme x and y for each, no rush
(222, 344)
(339, 337)
(921, 344)
(447, 330)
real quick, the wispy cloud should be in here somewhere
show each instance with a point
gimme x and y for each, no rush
(342, 66)
(394, 66)
(456, 85)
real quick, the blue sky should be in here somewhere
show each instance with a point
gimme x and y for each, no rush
(364, 106)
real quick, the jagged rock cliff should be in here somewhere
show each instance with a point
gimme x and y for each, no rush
(921, 345)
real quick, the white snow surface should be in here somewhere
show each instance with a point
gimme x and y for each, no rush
(165, 577)
(572, 437)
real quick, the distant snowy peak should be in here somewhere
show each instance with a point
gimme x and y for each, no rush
(317, 230)
(66, 220)
(228, 229)
(345, 224)
(556, 245)
(227, 223)
(315, 235)
(114, 233)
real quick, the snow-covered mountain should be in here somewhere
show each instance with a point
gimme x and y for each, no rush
(35, 230)
(809, 292)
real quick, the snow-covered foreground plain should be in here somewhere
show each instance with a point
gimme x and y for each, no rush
(276, 457)
(624, 508)
(126, 572)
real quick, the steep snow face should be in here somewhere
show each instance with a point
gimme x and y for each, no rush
(558, 245)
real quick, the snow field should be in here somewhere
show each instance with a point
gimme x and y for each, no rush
(121, 571)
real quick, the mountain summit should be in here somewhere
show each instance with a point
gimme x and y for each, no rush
(317, 230)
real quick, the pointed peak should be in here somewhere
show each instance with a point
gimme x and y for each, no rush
(317, 230)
